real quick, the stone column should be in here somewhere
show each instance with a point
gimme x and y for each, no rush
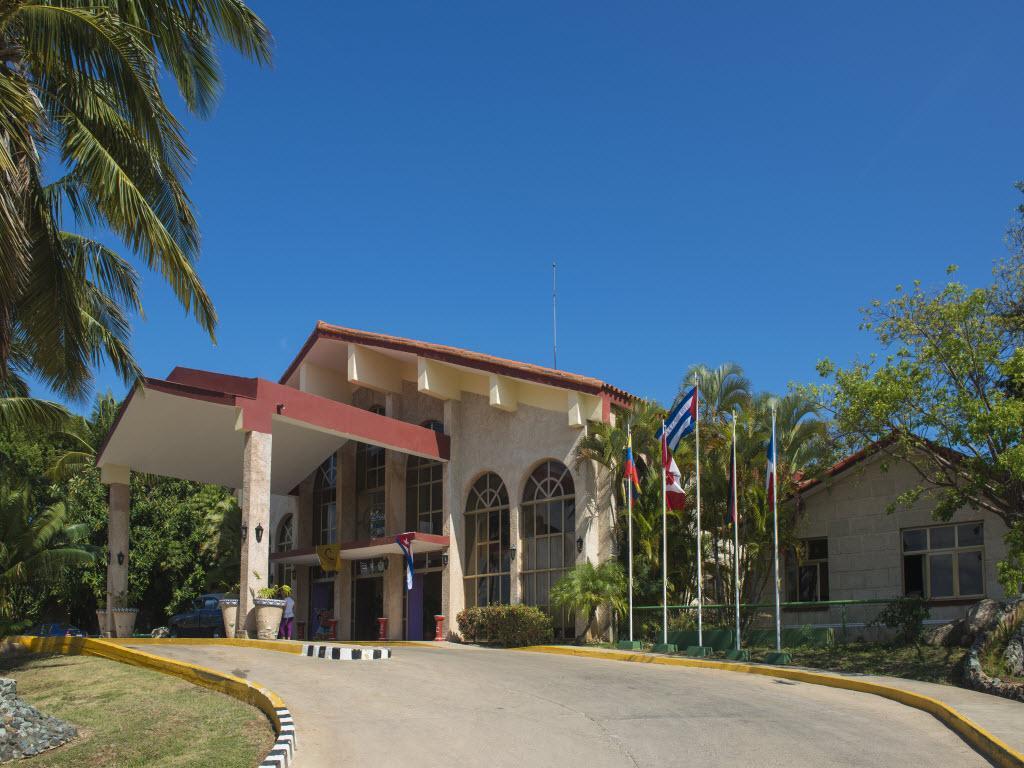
(255, 555)
(453, 593)
(118, 481)
(343, 600)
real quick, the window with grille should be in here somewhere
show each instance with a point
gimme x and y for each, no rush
(549, 533)
(487, 543)
(325, 502)
(944, 561)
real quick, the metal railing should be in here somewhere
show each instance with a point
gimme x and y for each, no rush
(821, 622)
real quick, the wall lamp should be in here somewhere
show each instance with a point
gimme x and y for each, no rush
(579, 544)
(259, 533)
(512, 553)
(120, 558)
(444, 558)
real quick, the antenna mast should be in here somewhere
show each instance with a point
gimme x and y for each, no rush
(554, 312)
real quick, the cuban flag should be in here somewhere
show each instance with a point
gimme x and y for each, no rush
(404, 541)
(770, 475)
(629, 468)
(681, 420)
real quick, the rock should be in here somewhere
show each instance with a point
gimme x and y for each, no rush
(938, 634)
(982, 616)
(25, 730)
(160, 632)
(1013, 656)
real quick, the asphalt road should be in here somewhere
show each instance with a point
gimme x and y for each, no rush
(476, 707)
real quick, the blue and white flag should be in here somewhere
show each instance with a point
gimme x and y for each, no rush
(681, 420)
(404, 540)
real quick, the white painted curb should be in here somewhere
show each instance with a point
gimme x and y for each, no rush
(340, 653)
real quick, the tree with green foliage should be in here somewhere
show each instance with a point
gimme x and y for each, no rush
(586, 587)
(82, 103)
(36, 546)
(946, 397)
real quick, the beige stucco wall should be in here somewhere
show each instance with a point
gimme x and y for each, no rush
(864, 543)
(483, 438)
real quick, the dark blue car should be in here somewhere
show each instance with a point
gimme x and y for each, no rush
(204, 620)
(57, 629)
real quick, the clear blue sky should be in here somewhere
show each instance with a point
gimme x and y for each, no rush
(725, 181)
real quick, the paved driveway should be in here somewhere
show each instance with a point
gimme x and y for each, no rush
(476, 707)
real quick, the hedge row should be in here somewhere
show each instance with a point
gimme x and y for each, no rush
(506, 625)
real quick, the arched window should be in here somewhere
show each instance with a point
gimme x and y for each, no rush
(549, 532)
(284, 541)
(487, 542)
(370, 488)
(424, 499)
(325, 498)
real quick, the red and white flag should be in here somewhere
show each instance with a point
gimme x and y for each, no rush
(675, 496)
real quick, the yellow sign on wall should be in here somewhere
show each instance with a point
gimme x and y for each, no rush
(330, 556)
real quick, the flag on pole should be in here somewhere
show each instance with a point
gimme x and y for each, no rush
(681, 420)
(630, 472)
(404, 541)
(675, 496)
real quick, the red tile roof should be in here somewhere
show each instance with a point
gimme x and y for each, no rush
(465, 357)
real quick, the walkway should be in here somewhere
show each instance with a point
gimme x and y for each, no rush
(442, 706)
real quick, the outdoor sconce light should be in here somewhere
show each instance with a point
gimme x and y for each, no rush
(512, 553)
(579, 544)
(245, 533)
(120, 558)
(444, 558)
(259, 533)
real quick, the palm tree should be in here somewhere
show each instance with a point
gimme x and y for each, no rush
(34, 546)
(80, 88)
(84, 436)
(587, 587)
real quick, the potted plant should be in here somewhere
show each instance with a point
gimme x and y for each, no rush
(229, 610)
(269, 610)
(124, 615)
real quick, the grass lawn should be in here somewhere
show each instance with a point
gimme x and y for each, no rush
(129, 717)
(933, 665)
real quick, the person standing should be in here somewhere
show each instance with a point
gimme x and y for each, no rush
(287, 619)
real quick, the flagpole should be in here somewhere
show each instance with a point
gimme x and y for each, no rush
(775, 525)
(700, 577)
(736, 529)
(664, 546)
(629, 536)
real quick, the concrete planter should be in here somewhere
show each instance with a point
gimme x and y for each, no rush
(101, 618)
(124, 621)
(229, 612)
(268, 618)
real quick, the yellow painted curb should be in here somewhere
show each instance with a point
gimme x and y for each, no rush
(990, 746)
(280, 646)
(248, 692)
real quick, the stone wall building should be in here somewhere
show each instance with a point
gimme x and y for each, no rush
(853, 548)
(365, 438)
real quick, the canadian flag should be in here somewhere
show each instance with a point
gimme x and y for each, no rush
(675, 496)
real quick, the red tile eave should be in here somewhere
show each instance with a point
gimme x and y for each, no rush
(456, 356)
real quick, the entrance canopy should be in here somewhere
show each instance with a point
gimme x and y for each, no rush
(192, 426)
(419, 543)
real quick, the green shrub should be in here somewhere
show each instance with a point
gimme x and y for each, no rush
(905, 615)
(509, 626)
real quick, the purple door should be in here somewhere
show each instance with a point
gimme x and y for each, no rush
(414, 618)
(321, 598)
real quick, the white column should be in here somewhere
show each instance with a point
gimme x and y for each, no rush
(255, 555)
(453, 593)
(118, 481)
